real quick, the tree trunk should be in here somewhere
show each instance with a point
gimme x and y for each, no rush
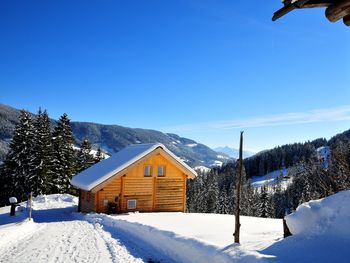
(238, 190)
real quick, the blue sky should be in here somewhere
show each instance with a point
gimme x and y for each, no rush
(201, 69)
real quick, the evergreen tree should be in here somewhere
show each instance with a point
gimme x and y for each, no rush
(279, 201)
(18, 165)
(248, 207)
(6, 186)
(199, 196)
(84, 157)
(64, 155)
(264, 203)
(222, 206)
(99, 155)
(43, 155)
(212, 194)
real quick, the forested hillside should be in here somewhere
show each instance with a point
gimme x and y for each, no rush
(308, 177)
(113, 138)
(282, 157)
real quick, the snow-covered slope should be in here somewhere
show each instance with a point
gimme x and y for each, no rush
(271, 179)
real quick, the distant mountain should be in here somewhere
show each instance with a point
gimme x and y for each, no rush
(113, 138)
(232, 152)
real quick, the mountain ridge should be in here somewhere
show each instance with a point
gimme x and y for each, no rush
(113, 138)
(233, 152)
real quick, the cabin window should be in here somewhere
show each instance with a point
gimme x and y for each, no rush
(147, 170)
(131, 204)
(88, 196)
(161, 170)
(82, 194)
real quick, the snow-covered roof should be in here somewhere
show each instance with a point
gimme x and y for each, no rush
(100, 172)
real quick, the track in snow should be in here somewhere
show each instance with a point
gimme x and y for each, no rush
(59, 237)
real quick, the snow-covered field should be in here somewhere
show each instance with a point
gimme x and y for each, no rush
(321, 231)
(271, 179)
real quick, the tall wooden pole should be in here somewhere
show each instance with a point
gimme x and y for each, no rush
(238, 190)
(30, 205)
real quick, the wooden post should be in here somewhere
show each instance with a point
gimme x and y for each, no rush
(286, 231)
(30, 205)
(238, 190)
(79, 201)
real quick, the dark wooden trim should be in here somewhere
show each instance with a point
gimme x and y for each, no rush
(346, 20)
(337, 11)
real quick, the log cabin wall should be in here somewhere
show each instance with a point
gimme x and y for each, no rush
(108, 194)
(87, 201)
(152, 193)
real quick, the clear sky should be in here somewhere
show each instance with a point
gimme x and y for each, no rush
(201, 69)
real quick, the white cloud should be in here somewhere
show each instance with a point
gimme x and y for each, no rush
(312, 116)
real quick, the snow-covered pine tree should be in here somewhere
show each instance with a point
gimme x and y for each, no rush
(248, 203)
(18, 165)
(99, 155)
(84, 157)
(212, 192)
(64, 155)
(222, 206)
(264, 203)
(6, 186)
(199, 194)
(231, 197)
(43, 155)
(279, 201)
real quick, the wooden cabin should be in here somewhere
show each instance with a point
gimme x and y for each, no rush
(140, 177)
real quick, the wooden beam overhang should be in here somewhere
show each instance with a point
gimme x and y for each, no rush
(335, 9)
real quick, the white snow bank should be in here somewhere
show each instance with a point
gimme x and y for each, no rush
(321, 232)
(199, 237)
(54, 201)
(329, 216)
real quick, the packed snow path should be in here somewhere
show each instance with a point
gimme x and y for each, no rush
(57, 236)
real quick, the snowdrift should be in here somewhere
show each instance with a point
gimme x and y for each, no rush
(321, 232)
(327, 216)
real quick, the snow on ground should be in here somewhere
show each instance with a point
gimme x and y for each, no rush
(58, 234)
(321, 233)
(191, 145)
(202, 169)
(272, 179)
(222, 156)
(217, 163)
(199, 237)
